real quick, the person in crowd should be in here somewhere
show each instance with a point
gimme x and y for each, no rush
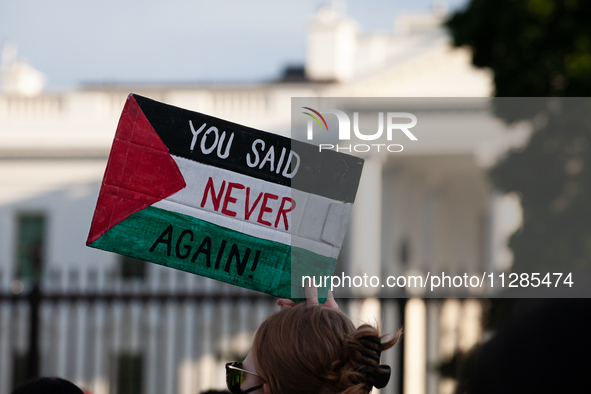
(313, 349)
(47, 385)
(543, 348)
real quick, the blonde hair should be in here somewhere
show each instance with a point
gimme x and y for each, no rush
(317, 350)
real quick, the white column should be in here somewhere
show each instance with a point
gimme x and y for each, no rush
(433, 310)
(504, 218)
(470, 326)
(415, 349)
(366, 226)
(369, 312)
(448, 340)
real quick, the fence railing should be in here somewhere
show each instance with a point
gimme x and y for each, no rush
(167, 333)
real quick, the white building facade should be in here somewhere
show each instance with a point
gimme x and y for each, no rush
(432, 207)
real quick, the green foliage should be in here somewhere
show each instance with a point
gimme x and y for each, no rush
(535, 48)
(552, 174)
(540, 48)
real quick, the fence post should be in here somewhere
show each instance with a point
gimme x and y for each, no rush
(33, 356)
(402, 309)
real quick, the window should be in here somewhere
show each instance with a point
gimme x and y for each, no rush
(30, 245)
(132, 268)
(129, 374)
(19, 369)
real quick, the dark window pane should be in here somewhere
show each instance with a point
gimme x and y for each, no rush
(129, 374)
(30, 245)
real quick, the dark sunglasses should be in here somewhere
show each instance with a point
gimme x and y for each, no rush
(235, 375)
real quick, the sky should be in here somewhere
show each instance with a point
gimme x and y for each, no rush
(175, 41)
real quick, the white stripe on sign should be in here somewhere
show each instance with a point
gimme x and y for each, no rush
(270, 211)
(262, 203)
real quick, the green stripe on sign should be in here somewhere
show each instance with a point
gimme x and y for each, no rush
(193, 245)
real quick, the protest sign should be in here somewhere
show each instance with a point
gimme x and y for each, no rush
(207, 196)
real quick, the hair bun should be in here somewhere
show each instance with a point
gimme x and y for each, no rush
(378, 375)
(382, 377)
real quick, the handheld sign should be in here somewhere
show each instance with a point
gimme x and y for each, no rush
(232, 203)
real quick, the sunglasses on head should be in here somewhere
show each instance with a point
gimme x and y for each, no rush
(235, 375)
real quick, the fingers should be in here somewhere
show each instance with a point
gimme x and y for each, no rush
(311, 295)
(284, 303)
(311, 298)
(330, 301)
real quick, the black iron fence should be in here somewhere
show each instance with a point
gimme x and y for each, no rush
(166, 332)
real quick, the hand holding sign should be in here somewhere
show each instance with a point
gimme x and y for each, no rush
(311, 298)
(207, 196)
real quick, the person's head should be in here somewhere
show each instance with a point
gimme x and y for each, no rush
(541, 347)
(317, 350)
(47, 385)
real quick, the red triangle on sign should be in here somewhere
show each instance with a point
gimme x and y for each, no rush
(140, 172)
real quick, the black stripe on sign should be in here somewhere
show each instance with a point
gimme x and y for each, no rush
(330, 174)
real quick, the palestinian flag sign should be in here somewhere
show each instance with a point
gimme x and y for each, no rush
(203, 195)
